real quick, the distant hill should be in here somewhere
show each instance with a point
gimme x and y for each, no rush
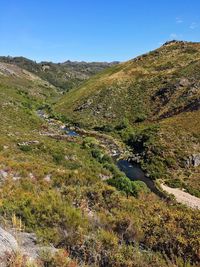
(62, 75)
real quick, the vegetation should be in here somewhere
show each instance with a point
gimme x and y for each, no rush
(130, 188)
(159, 88)
(64, 75)
(69, 191)
(140, 89)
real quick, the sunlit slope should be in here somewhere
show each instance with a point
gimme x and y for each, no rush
(64, 75)
(58, 189)
(20, 94)
(159, 84)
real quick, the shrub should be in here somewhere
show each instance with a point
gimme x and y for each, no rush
(107, 128)
(123, 125)
(97, 154)
(141, 118)
(170, 161)
(124, 184)
(113, 169)
(89, 142)
(59, 259)
(25, 148)
(100, 156)
(175, 183)
(58, 158)
(140, 187)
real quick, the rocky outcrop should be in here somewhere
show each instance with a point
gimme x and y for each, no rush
(193, 160)
(27, 143)
(14, 242)
(8, 247)
(29, 246)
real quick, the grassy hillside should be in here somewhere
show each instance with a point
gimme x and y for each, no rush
(58, 189)
(159, 84)
(166, 149)
(158, 89)
(65, 75)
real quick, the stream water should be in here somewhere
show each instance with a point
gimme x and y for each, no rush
(70, 132)
(132, 170)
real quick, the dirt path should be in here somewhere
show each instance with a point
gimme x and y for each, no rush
(183, 197)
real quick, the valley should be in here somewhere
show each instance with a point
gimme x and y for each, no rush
(84, 167)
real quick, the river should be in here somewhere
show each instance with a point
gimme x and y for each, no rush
(132, 170)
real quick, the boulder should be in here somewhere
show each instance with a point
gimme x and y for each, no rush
(184, 82)
(196, 160)
(8, 247)
(193, 160)
(27, 246)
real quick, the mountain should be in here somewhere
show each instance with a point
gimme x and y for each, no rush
(62, 75)
(156, 85)
(155, 100)
(64, 201)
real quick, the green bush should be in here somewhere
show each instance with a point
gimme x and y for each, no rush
(100, 156)
(141, 118)
(97, 154)
(123, 125)
(130, 188)
(25, 148)
(170, 161)
(107, 128)
(175, 183)
(58, 158)
(113, 169)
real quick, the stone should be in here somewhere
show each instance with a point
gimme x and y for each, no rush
(8, 247)
(193, 160)
(196, 160)
(3, 174)
(27, 143)
(47, 178)
(184, 82)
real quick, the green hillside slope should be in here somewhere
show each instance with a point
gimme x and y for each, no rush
(159, 84)
(56, 187)
(152, 102)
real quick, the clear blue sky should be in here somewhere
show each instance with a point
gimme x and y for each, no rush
(94, 30)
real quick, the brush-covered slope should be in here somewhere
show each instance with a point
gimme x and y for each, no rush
(57, 189)
(153, 103)
(65, 75)
(21, 93)
(156, 85)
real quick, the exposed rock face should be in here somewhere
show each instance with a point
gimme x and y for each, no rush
(184, 82)
(26, 246)
(29, 246)
(193, 160)
(196, 160)
(3, 174)
(8, 246)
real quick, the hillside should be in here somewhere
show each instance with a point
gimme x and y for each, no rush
(152, 102)
(156, 85)
(64, 75)
(68, 191)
